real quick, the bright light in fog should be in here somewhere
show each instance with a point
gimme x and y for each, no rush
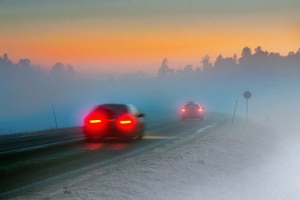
(125, 122)
(95, 121)
(183, 110)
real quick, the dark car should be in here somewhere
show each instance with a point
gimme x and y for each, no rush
(192, 110)
(114, 121)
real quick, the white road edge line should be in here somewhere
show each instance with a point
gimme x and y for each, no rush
(206, 127)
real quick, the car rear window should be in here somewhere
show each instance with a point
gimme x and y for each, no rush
(112, 109)
(192, 106)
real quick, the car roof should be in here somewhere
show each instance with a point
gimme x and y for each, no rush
(192, 104)
(117, 107)
(112, 106)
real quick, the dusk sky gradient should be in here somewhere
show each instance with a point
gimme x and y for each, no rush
(129, 35)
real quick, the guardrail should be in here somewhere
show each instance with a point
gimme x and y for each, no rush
(38, 139)
(26, 141)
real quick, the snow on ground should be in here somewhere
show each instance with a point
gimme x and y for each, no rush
(239, 161)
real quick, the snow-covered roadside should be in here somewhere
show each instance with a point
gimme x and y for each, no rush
(240, 161)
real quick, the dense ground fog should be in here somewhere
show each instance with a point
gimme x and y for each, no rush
(29, 93)
(258, 159)
(243, 160)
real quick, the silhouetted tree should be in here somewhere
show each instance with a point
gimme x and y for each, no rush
(246, 52)
(70, 69)
(276, 61)
(225, 63)
(5, 62)
(235, 59)
(206, 63)
(187, 70)
(293, 61)
(6, 59)
(198, 70)
(24, 63)
(164, 69)
(59, 69)
(245, 59)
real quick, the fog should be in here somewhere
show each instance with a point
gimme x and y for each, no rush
(28, 92)
(266, 159)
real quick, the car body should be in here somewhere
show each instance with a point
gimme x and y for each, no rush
(114, 121)
(192, 110)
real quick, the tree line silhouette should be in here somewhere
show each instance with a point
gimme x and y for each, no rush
(23, 70)
(259, 62)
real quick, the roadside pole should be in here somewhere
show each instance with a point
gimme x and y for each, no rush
(234, 112)
(54, 116)
(247, 96)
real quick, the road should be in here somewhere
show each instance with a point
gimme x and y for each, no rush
(29, 165)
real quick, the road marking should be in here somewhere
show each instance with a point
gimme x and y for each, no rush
(155, 137)
(206, 127)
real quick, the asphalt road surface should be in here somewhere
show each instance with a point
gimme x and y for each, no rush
(64, 153)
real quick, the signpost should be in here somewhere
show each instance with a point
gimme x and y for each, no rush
(247, 96)
(234, 112)
(54, 116)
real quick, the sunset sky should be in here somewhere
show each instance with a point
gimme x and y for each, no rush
(129, 35)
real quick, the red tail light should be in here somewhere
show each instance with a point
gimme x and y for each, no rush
(200, 110)
(126, 123)
(182, 110)
(123, 122)
(94, 118)
(95, 122)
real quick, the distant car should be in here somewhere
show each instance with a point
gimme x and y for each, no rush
(114, 121)
(192, 110)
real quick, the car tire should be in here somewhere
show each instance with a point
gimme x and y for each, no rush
(93, 140)
(140, 135)
(89, 140)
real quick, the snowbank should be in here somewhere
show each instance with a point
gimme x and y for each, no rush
(240, 161)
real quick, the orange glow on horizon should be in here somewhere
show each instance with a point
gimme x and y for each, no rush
(139, 47)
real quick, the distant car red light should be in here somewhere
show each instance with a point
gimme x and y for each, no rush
(192, 111)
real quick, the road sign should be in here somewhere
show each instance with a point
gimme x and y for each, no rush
(247, 95)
